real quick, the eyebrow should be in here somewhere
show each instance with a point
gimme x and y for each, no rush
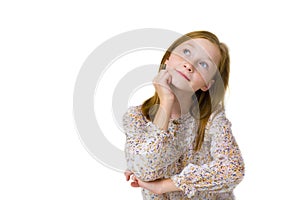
(190, 45)
(209, 58)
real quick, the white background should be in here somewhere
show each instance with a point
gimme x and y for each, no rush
(43, 45)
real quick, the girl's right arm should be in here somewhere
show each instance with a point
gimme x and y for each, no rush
(149, 150)
(151, 147)
(161, 84)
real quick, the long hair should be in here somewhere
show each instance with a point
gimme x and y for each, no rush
(208, 101)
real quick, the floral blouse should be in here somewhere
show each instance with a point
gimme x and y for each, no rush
(152, 153)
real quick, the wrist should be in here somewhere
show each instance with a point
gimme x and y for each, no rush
(166, 104)
(167, 185)
(167, 98)
(162, 116)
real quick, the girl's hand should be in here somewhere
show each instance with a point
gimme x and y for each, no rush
(153, 186)
(157, 187)
(162, 86)
(166, 96)
(127, 175)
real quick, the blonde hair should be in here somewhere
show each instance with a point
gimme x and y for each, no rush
(208, 101)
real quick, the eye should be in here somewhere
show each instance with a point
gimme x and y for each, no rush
(186, 52)
(203, 64)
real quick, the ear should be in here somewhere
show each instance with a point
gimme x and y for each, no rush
(166, 62)
(208, 85)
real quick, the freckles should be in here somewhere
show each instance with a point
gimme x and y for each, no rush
(174, 59)
(199, 82)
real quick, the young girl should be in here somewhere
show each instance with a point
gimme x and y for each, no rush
(179, 143)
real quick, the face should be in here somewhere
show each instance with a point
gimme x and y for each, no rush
(193, 64)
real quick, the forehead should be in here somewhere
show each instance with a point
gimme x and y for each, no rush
(205, 46)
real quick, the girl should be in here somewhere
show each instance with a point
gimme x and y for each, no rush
(179, 143)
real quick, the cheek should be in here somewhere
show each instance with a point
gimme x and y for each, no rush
(198, 82)
(206, 75)
(173, 60)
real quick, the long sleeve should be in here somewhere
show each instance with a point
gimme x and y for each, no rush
(150, 151)
(225, 169)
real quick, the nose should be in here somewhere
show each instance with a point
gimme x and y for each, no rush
(188, 66)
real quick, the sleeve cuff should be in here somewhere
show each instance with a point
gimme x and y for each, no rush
(152, 128)
(181, 184)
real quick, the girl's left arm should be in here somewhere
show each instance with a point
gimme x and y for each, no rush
(160, 186)
(150, 151)
(223, 173)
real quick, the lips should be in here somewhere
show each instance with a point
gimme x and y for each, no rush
(184, 76)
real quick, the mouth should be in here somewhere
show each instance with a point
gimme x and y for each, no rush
(183, 75)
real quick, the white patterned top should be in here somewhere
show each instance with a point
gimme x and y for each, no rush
(152, 153)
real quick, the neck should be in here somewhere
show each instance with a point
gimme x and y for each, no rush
(182, 103)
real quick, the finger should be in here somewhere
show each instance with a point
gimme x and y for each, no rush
(134, 184)
(127, 175)
(162, 79)
(128, 172)
(159, 76)
(169, 80)
(133, 178)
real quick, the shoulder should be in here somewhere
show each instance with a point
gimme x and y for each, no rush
(134, 110)
(218, 121)
(134, 113)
